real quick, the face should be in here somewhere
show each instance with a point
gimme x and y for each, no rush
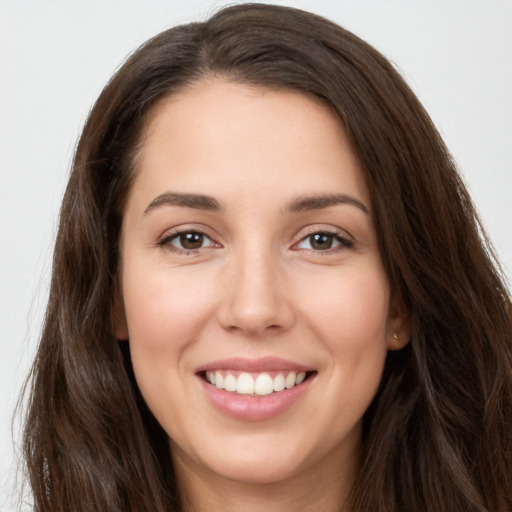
(255, 301)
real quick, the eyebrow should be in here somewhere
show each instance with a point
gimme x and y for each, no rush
(198, 201)
(300, 204)
(317, 202)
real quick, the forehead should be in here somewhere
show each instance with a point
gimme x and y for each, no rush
(217, 136)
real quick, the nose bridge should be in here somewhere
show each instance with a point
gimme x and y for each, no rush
(256, 297)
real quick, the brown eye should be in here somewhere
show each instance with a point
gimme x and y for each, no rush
(324, 241)
(190, 241)
(321, 241)
(187, 241)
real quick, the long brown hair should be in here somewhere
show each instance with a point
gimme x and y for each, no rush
(438, 435)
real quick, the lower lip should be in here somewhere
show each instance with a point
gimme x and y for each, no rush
(252, 407)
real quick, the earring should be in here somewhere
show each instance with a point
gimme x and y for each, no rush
(395, 335)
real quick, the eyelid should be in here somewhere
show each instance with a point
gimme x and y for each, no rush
(171, 234)
(346, 240)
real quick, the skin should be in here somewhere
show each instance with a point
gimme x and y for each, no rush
(255, 287)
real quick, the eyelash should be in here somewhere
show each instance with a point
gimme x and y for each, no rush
(343, 241)
(166, 242)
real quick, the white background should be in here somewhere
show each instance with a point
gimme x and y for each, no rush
(56, 56)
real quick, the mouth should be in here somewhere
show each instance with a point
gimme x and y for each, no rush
(255, 389)
(255, 383)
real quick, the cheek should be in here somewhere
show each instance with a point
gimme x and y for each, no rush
(165, 312)
(350, 309)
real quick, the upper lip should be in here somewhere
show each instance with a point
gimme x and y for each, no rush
(262, 364)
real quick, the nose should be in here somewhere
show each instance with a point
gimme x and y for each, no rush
(255, 299)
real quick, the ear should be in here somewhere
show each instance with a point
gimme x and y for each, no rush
(399, 324)
(120, 324)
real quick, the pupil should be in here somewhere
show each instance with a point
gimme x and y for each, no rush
(191, 240)
(321, 241)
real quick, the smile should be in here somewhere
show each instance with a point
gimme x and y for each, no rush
(254, 390)
(260, 384)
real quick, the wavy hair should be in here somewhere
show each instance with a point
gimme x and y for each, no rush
(438, 435)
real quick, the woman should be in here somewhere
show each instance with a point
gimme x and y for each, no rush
(270, 290)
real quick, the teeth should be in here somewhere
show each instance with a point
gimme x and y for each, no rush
(219, 380)
(262, 385)
(279, 382)
(289, 382)
(230, 382)
(245, 384)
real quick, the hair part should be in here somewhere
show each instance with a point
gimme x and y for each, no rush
(438, 434)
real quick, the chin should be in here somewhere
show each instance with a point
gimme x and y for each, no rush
(255, 469)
